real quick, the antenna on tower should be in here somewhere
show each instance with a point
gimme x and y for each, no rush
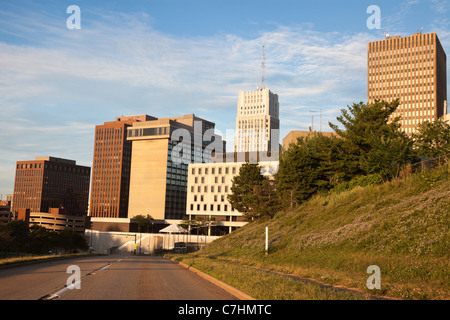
(263, 65)
(312, 120)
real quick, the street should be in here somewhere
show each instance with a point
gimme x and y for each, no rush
(114, 277)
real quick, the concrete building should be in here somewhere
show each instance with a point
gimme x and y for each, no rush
(208, 187)
(111, 168)
(292, 136)
(161, 152)
(413, 69)
(257, 121)
(54, 220)
(49, 182)
(5, 211)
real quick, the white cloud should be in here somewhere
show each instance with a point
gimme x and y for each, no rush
(54, 94)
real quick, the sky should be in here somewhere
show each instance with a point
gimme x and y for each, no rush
(173, 57)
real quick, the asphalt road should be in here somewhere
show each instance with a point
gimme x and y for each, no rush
(114, 277)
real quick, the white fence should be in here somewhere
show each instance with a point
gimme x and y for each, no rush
(142, 243)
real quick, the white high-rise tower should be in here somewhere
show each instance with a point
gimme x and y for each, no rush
(257, 121)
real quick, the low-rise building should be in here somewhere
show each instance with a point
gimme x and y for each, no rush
(55, 220)
(209, 184)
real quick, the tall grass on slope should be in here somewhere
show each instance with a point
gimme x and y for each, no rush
(400, 226)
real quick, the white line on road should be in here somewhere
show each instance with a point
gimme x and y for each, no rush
(58, 294)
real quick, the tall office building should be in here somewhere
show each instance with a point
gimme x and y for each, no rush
(161, 152)
(410, 68)
(257, 121)
(49, 182)
(111, 168)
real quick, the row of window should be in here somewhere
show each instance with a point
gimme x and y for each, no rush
(213, 207)
(219, 170)
(209, 188)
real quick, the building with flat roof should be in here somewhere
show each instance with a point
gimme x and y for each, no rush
(161, 152)
(111, 168)
(49, 182)
(257, 121)
(292, 136)
(208, 187)
(54, 220)
(413, 69)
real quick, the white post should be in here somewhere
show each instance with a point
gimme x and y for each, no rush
(267, 240)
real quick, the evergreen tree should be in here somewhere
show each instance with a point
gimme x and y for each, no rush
(316, 162)
(251, 193)
(432, 139)
(378, 144)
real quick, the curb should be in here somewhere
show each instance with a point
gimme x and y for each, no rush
(232, 290)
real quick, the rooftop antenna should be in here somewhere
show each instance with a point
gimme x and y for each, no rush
(320, 119)
(263, 65)
(312, 120)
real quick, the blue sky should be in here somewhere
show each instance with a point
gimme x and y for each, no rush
(174, 57)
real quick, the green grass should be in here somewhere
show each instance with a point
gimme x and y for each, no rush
(400, 226)
(30, 258)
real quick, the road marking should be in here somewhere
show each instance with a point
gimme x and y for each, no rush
(60, 292)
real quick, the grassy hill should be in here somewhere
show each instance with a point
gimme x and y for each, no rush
(400, 226)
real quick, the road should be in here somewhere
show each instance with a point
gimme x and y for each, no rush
(114, 277)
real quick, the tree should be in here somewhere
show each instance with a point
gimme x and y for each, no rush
(432, 138)
(252, 194)
(361, 121)
(389, 155)
(316, 162)
(375, 137)
(242, 189)
(143, 222)
(265, 200)
(69, 241)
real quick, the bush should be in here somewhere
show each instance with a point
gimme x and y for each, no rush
(361, 181)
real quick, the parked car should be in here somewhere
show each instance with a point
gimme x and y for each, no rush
(180, 247)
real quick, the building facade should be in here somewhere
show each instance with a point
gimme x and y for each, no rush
(410, 68)
(292, 136)
(257, 121)
(111, 168)
(161, 152)
(208, 187)
(49, 182)
(55, 221)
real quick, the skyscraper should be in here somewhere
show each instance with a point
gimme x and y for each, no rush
(257, 121)
(410, 68)
(49, 182)
(111, 168)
